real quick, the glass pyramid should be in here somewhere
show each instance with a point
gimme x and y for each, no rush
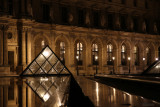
(46, 63)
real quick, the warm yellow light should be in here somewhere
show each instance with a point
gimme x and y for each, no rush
(96, 57)
(113, 58)
(46, 97)
(129, 58)
(143, 59)
(77, 57)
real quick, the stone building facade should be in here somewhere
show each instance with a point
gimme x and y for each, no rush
(79, 31)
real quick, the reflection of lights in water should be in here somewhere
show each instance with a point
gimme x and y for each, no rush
(129, 97)
(113, 97)
(97, 93)
(46, 53)
(43, 79)
(114, 92)
(46, 97)
(124, 96)
(59, 101)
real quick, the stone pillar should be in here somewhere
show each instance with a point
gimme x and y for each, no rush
(21, 46)
(5, 46)
(1, 47)
(24, 47)
(4, 68)
(29, 47)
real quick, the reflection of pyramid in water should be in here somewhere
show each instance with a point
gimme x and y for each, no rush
(54, 90)
(46, 63)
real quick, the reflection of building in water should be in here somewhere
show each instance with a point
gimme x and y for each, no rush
(26, 26)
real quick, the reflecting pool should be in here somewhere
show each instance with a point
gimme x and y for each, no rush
(63, 91)
(105, 96)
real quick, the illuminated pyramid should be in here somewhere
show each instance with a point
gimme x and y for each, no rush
(46, 64)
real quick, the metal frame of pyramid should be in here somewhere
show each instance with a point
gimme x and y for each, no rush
(46, 64)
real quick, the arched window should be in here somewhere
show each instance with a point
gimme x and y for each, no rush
(40, 43)
(148, 56)
(123, 55)
(79, 53)
(95, 54)
(136, 55)
(109, 54)
(62, 52)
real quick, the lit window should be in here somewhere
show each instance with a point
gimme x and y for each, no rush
(43, 43)
(94, 53)
(136, 55)
(79, 53)
(109, 54)
(123, 55)
(62, 51)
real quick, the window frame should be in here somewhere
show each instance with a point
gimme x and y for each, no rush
(109, 54)
(95, 50)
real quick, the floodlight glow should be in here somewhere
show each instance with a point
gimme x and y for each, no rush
(143, 59)
(129, 58)
(77, 57)
(156, 59)
(113, 58)
(96, 57)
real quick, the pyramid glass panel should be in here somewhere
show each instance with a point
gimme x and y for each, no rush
(40, 59)
(46, 52)
(52, 59)
(28, 72)
(52, 71)
(59, 67)
(46, 67)
(34, 67)
(64, 71)
(40, 71)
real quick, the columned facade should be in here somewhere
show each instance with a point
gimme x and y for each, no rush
(86, 36)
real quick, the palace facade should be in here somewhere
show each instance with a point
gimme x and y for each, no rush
(119, 35)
